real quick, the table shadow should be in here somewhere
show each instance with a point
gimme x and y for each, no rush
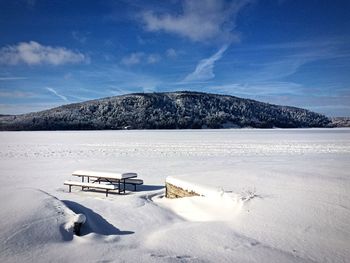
(95, 223)
(145, 187)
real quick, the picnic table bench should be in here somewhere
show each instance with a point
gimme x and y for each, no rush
(104, 180)
(83, 185)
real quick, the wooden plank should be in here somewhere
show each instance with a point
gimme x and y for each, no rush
(91, 185)
(134, 181)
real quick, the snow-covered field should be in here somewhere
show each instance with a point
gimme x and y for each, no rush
(282, 196)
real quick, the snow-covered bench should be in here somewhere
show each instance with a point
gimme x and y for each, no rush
(83, 185)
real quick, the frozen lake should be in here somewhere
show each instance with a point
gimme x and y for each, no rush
(294, 186)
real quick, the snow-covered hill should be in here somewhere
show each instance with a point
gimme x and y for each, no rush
(176, 110)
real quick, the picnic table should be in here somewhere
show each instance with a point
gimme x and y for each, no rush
(104, 180)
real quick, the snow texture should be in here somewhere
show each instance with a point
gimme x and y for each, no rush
(105, 174)
(268, 196)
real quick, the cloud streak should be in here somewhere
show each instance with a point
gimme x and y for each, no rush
(200, 20)
(15, 94)
(260, 88)
(291, 64)
(33, 53)
(205, 68)
(53, 91)
(12, 78)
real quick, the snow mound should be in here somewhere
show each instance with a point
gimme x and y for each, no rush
(32, 219)
(212, 204)
(201, 208)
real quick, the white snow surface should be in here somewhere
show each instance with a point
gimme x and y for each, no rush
(213, 204)
(275, 196)
(105, 174)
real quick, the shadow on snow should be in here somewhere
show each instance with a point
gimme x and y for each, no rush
(149, 187)
(95, 223)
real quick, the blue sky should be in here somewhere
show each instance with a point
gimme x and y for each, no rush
(289, 52)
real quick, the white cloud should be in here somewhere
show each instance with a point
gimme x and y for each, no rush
(33, 53)
(132, 59)
(140, 57)
(57, 94)
(200, 20)
(205, 68)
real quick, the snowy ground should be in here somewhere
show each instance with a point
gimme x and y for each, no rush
(286, 196)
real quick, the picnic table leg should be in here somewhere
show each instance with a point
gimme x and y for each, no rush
(106, 192)
(124, 185)
(70, 188)
(118, 186)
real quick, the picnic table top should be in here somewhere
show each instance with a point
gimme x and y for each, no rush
(104, 174)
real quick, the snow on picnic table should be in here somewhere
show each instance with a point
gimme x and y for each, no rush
(104, 174)
(286, 195)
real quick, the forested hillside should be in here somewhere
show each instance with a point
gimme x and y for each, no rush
(175, 110)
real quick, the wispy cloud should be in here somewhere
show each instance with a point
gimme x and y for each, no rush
(200, 20)
(205, 68)
(33, 53)
(53, 91)
(101, 79)
(259, 88)
(12, 78)
(132, 59)
(289, 64)
(289, 93)
(276, 61)
(15, 94)
(20, 108)
(140, 57)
